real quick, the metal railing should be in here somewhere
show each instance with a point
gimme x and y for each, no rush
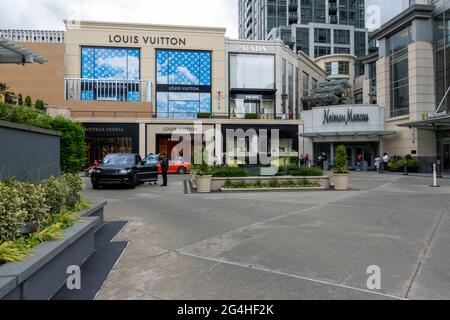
(237, 116)
(107, 90)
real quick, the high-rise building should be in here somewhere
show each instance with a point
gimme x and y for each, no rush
(316, 27)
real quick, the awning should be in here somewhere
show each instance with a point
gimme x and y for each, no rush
(354, 134)
(430, 124)
(12, 53)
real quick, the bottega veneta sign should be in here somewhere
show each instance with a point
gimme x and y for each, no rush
(330, 117)
(147, 40)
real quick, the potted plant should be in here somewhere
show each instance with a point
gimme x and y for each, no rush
(340, 171)
(204, 175)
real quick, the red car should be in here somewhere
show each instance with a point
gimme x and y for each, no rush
(178, 166)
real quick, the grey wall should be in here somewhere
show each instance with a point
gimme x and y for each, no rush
(29, 154)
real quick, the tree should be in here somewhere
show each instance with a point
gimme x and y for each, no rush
(39, 105)
(341, 160)
(28, 101)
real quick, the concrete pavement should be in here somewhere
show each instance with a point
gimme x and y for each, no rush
(311, 245)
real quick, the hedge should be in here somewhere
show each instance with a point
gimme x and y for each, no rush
(23, 202)
(73, 145)
(297, 171)
(227, 172)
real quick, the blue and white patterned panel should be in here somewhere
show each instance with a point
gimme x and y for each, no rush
(87, 63)
(134, 58)
(205, 68)
(184, 68)
(205, 102)
(111, 64)
(184, 96)
(183, 109)
(162, 105)
(162, 67)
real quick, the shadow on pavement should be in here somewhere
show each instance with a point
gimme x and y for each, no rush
(96, 269)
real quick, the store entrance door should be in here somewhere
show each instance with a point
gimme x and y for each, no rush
(252, 106)
(446, 156)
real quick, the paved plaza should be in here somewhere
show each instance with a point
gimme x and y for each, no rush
(301, 245)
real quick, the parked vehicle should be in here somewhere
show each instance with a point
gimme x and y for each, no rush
(124, 169)
(178, 166)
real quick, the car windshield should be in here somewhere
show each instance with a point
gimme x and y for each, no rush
(119, 159)
(152, 159)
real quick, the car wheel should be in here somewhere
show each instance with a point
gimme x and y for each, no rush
(134, 182)
(95, 186)
(181, 170)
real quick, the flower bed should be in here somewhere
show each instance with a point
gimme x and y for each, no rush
(273, 184)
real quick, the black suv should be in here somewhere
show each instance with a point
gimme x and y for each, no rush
(125, 169)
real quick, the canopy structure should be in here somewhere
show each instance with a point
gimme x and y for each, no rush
(12, 53)
(430, 124)
(328, 93)
(353, 134)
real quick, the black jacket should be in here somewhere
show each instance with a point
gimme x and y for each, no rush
(164, 164)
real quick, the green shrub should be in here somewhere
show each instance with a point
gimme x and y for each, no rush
(413, 164)
(227, 172)
(251, 116)
(203, 115)
(73, 145)
(75, 185)
(12, 213)
(39, 105)
(56, 194)
(297, 171)
(341, 160)
(34, 203)
(20, 99)
(28, 101)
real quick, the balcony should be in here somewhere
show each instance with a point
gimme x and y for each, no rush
(77, 89)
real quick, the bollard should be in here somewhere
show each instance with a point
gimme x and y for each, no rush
(435, 185)
(405, 167)
(439, 169)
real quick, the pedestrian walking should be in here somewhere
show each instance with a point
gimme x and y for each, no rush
(302, 160)
(359, 162)
(164, 162)
(385, 161)
(378, 162)
(307, 160)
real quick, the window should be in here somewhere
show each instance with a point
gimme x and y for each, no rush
(442, 56)
(119, 68)
(183, 83)
(360, 44)
(337, 68)
(252, 71)
(341, 50)
(322, 35)
(342, 36)
(399, 73)
(321, 51)
(305, 84)
(291, 88)
(302, 40)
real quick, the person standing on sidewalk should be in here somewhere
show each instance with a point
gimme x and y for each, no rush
(385, 161)
(164, 163)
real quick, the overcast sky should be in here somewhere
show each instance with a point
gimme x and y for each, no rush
(48, 14)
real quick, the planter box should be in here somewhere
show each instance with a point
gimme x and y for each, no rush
(218, 183)
(43, 273)
(97, 210)
(230, 190)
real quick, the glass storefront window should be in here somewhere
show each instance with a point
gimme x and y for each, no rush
(252, 71)
(183, 83)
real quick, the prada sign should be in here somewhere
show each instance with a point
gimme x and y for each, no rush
(330, 117)
(147, 40)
